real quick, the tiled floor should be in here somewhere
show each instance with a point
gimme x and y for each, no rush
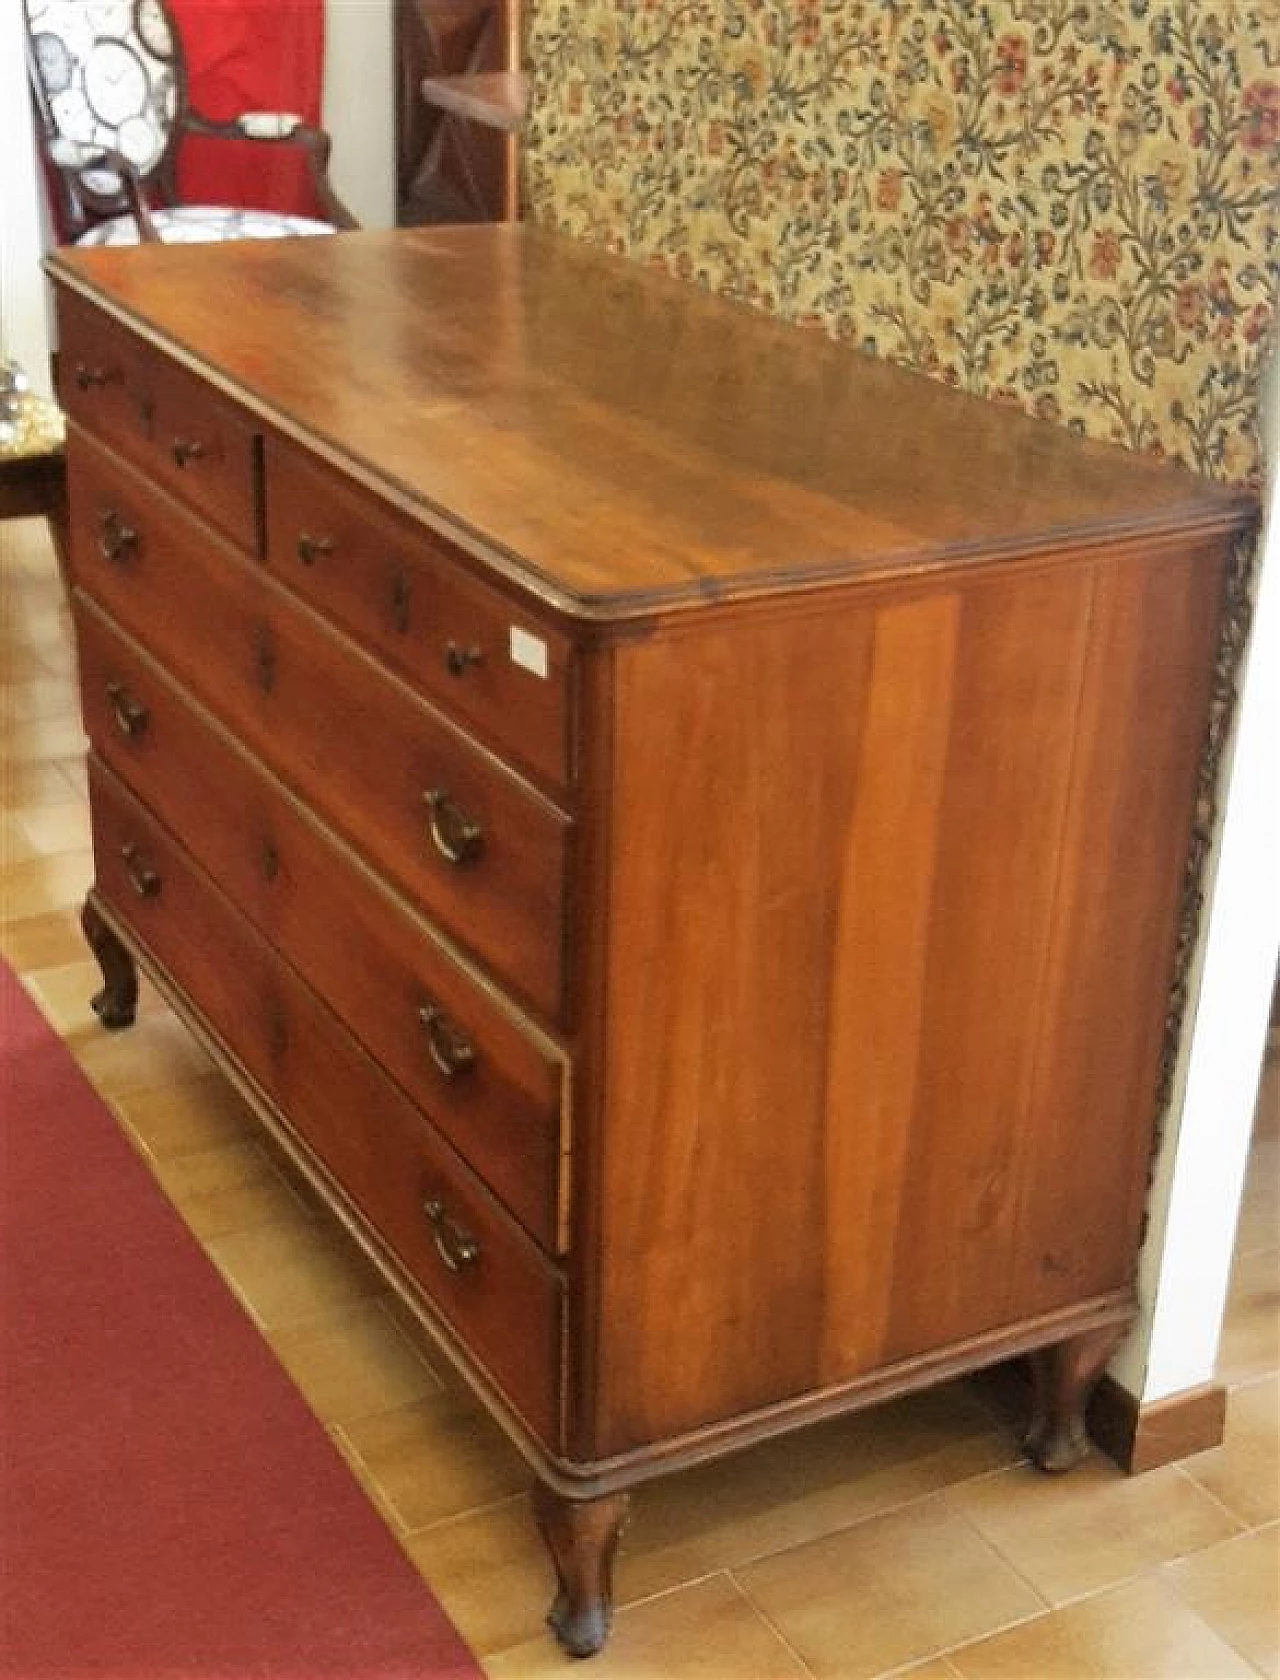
(910, 1540)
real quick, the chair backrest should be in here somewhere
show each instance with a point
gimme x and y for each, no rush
(106, 74)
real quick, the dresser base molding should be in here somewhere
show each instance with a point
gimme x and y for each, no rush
(1142, 1437)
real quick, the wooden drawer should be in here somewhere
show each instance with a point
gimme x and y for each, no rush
(494, 1088)
(486, 1279)
(164, 417)
(103, 379)
(478, 847)
(403, 591)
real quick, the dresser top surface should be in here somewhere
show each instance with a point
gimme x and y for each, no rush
(616, 440)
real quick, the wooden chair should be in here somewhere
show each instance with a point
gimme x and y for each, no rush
(462, 98)
(109, 86)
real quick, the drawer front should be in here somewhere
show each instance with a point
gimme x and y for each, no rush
(103, 379)
(206, 453)
(165, 418)
(481, 850)
(477, 1270)
(492, 1088)
(403, 591)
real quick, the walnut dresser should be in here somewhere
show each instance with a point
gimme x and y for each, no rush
(690, 836)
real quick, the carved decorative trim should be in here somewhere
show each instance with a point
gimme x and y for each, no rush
(1233, 639)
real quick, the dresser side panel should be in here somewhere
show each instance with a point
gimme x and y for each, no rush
(836, 839)
(1116, 921)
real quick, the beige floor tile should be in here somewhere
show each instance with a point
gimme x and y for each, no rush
(1075, 1534)
(44, 830)
(1250, 1345)
(286, 1274)
(65, 996)
(241, 1207)
(890, 1591)
(937, 1668)
(50, 940)
(437, 1458)
(1138, 1632)
(43, 739)
(157, 1052)
(1233, 1587)
(1244, 1472)
(76, 773)
(707, 1631)
(23, 700)
(19, 662)
(804, 1486)
(186, 1116)
(226, 1189)
(44, 883)
(491, 1572)
(353, 1363)
(24, 786)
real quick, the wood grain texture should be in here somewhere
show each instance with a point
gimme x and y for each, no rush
(505, 1299)
(362, 949)
(852, 1091)
(407, 598)
(691, 446)
(362, 748)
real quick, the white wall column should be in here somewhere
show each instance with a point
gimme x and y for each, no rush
(359, 106)
(1196, 1195)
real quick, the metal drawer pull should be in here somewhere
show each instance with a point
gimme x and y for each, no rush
(450, 1050)
(453, 1245)
(142, 878)
(311, 548)
(132, 716)
(116, 540)
(186, 450)
(454, 834)
(90, 378)
(457, 659)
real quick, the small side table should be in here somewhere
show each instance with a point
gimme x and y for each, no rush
(32, 467)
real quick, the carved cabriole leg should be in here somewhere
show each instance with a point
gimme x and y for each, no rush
(1063, 1377)
(582, 1536)
(117, 1002)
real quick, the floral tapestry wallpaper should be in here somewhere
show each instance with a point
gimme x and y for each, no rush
(1073, 205)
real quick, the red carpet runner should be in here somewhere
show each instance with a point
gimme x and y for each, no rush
(168, 1505)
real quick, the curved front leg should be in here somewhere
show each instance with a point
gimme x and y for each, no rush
(1063, 1377)
(117, 1003)
(582, 1537)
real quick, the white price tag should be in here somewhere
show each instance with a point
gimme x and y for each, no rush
(529, 652)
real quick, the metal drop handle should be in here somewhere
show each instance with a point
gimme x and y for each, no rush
(142, 877)
(455, 1247)
(311, 548)
(116, 540)
(186, 450)
(456, 836)
(450, 1050)
(131, 715)
(92, 378)
(459, 659)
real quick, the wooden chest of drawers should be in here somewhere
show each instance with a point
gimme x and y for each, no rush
(682, 831)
